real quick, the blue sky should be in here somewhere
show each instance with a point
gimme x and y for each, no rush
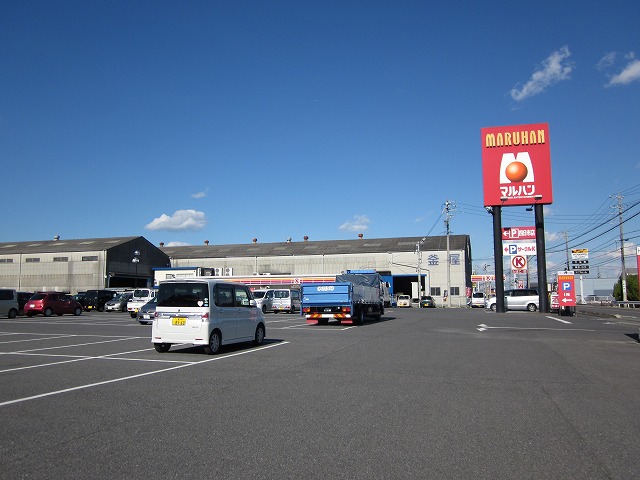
(225, 121)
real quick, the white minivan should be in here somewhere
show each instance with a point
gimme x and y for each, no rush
(205, 312)
(8, 303)
(285, 300)
(264, 299)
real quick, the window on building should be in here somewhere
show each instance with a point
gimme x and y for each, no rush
(60, 259)
(6, 260)
(435, 291)
(455, 290)
(90, 258)
(32, 260)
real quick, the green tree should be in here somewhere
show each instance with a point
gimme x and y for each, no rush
(632, 289)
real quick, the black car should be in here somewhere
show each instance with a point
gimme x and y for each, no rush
(23, 298)
(427, 301)
(95, 299)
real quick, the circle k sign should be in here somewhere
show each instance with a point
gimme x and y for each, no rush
(519, 263)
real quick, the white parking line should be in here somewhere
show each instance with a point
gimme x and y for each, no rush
(75, 345)
(131, 377)
(36, 339)
(558, 319)
(81, 358)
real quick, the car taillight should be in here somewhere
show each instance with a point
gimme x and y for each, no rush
(346, 309)
(205, 317)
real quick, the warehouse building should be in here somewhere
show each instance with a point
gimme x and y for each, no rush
(397, 259)
(77, 265)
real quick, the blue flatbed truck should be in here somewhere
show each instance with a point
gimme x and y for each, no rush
(352, 298)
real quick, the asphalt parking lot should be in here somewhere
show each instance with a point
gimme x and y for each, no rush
(431, 393)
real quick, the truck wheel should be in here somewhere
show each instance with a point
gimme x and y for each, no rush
(359, 317)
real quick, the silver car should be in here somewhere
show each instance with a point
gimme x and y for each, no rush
(118, 304)
(518, 299)
(147, 312)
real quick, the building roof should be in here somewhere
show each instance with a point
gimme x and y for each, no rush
(322, 247)
(49, 246)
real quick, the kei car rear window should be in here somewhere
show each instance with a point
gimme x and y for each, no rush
(183, 295)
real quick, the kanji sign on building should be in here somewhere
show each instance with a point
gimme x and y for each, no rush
(516, 165)
(566, 289)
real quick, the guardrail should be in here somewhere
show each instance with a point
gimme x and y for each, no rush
(633, 304)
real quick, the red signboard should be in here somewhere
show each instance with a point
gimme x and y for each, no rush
(518, 233)
(516, 165)
(566, 289)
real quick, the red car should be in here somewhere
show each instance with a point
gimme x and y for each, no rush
(49, 303)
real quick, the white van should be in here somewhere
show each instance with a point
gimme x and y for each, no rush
(264, 299)
(8, 303)
(478, 299)
(139, 298)
(286, 300)
(205, 312)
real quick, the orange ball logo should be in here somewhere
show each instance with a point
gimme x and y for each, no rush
(516, 171)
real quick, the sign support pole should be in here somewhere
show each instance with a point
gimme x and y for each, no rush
(543, 292)
(497, 256)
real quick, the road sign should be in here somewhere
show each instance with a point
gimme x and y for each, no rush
(580, 254)
(518, 233)
(519, 264)
(566, 289)
(519, 248)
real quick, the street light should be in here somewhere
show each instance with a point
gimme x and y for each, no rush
(136, 260)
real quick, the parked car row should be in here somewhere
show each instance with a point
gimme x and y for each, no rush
(14, 303)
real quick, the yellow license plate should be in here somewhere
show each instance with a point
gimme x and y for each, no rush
(179, 321)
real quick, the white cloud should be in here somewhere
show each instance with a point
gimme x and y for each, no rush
(553, 70)
(181, 220)
(606, 61)
(630, 73)
(201, 194)
(360, 223)
(177, 244)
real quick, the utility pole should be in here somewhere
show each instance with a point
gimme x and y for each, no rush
(449, 207)
(418, 245)
(566, 247)
(624, 270)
